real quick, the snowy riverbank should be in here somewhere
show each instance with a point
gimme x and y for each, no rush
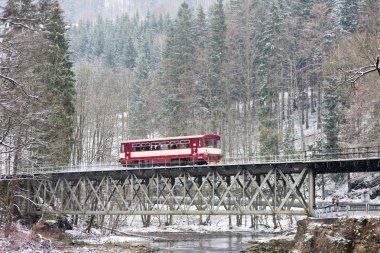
(183, 236)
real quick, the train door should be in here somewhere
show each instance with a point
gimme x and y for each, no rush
(194, 148)
(127, 151)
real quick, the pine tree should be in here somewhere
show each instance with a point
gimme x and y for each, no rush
(24, 9)
(137, 102)
(332, 116)
(178, 67)
(202, 113)
(98, 38)
(334, 8)
(217, 54)
(303, 7)
(110, 54)
(349, 18)
(59, 77)
(271, 46)
(20, 111)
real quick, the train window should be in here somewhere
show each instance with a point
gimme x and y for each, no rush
(208, 143)
(145, 146)
(217, 144)
(199, 142)
(122, 148)
(155, 146)
(136, 147)
(195, 143)
(164, 145)
(212, 143)
(185, 144)
(174, 144)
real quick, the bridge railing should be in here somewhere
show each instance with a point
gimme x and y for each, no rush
(73, 168)
(300, 156)
(309, 155)
(346, 208)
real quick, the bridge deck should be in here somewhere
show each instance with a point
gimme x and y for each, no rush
(370, 164)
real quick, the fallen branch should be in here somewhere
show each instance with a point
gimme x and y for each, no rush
(134, 235)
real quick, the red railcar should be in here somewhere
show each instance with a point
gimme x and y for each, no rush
(181, 150)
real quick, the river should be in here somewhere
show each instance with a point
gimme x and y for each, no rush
(168, 242)
(203, 242)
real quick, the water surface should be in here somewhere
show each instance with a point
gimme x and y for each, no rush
(202, 242)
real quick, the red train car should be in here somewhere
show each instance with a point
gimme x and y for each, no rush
(181, 150)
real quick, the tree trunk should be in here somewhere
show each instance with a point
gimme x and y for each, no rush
(9, 227)
(319, 124)
(307, 109)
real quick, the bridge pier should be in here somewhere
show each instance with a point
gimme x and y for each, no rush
(311, 192)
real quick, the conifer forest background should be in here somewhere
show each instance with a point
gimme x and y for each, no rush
(270, 77)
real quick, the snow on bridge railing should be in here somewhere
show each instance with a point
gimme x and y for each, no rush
(73, 168)
(346, 208)
(309, 156)
(359, 153)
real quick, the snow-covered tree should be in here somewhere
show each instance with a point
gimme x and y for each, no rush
(58, 75)
(332, 116)
(178, 69)
(217, 53)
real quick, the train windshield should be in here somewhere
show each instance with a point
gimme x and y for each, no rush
(212, 143)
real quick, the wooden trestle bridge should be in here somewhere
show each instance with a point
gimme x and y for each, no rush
(272, 185)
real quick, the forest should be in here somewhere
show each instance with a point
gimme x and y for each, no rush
(270, 77)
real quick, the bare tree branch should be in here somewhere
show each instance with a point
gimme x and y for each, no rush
(351, 76)
(10, 67)
(28, 199)
(11, 20)
(18, 85)
(12, 149)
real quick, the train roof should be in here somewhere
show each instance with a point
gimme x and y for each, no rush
(171, 138)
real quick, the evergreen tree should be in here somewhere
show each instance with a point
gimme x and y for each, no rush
(59, 77)
(129, 53)
(217, 54)
(302, 8)
(98, 38)
(271, 46)
(202, 113)
(137, 102)
(333, 116)
(24, 9)
(84, 41)
(22, 14)
(124, 52)
(349, 18)
(288, 144)
(110, 54)
(201, 33)
(178, 66)
(334, 8)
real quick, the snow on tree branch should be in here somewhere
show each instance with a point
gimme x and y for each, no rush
(14, 82)
(351, 76)
(11, 20)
